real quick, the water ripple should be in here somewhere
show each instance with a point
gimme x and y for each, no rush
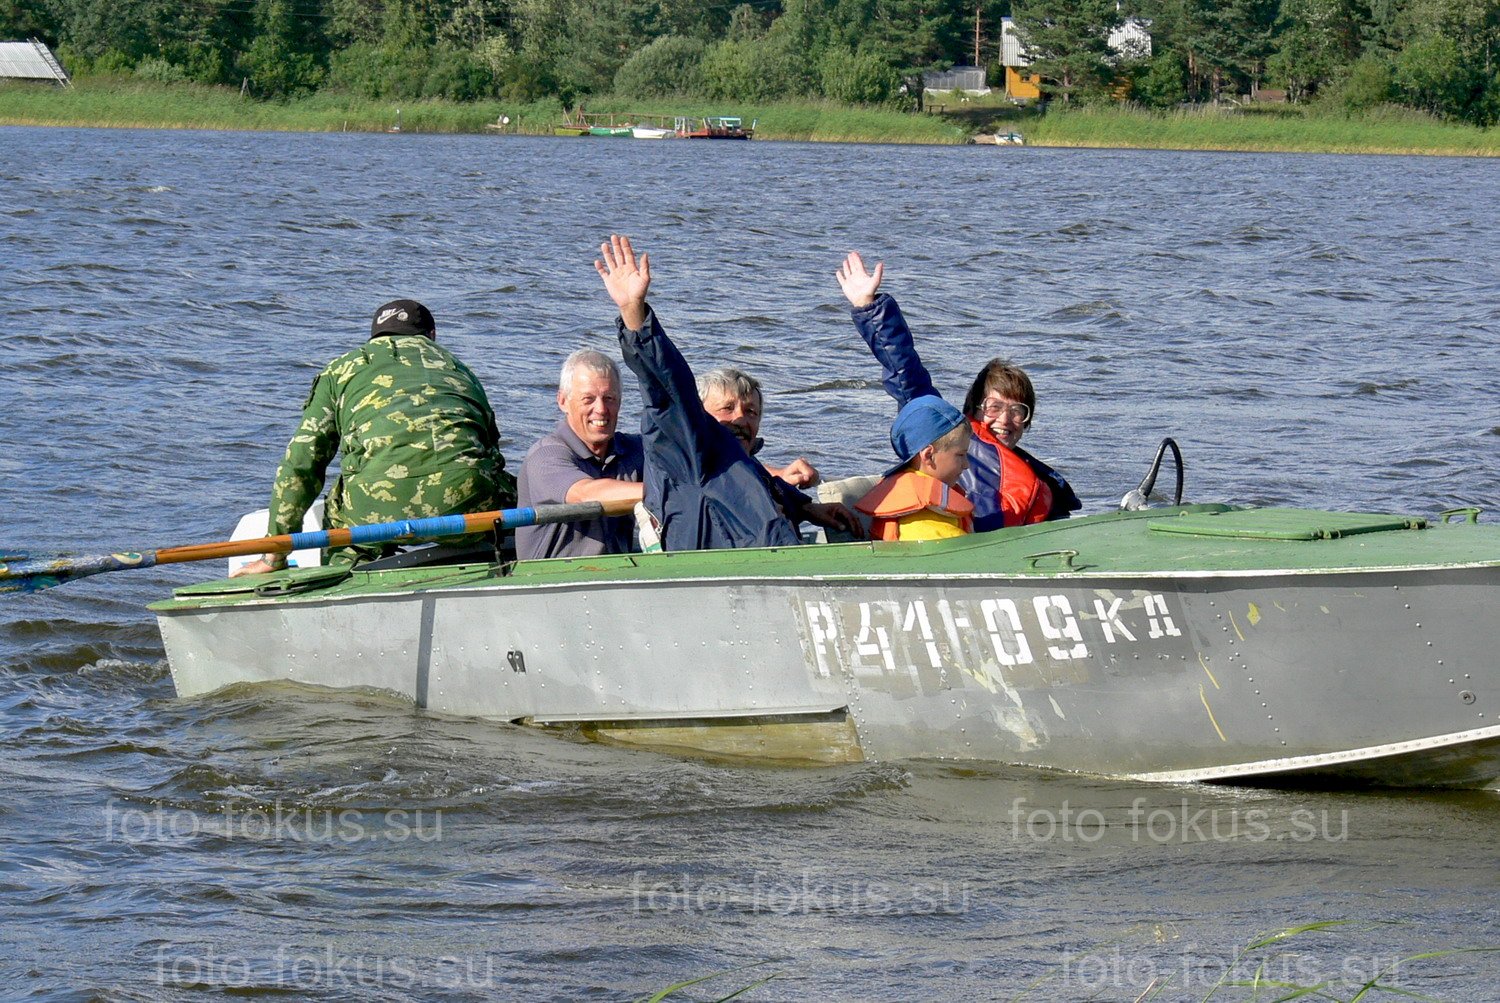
(1249, 305)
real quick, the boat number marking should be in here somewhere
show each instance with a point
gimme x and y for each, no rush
(1156, 606)
(906, 637)
(1065, 627)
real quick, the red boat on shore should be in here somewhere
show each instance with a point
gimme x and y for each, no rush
(723, 127)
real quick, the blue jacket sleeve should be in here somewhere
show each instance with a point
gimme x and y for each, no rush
(884, 329)
(793, 502)
(702, 485)
(688, 441)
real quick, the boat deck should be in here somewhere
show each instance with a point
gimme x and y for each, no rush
(1194, 541)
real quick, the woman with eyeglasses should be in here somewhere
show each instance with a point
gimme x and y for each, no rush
(1008, 486)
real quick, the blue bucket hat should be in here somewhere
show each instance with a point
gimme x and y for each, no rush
(923, 421)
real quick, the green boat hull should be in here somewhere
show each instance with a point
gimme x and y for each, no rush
(1201, 643)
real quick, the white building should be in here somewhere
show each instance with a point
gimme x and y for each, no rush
(969, 79)
(30, 60)
(1130, 41)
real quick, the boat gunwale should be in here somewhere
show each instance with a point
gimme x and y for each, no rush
(616, 570)
(505, 584)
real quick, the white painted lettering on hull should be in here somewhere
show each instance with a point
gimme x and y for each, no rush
(1003, 622)
(917, 622)
(873, 645)
(1064, 629)
(1161, 624)
(1109, 620)
(822, 634)
(923, 642)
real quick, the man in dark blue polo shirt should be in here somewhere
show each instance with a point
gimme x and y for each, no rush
(582, 459)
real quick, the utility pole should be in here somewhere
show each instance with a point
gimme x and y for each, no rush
(976, 34)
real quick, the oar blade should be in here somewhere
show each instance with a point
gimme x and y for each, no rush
(27, 576)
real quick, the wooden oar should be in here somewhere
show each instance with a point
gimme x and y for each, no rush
(34, 575)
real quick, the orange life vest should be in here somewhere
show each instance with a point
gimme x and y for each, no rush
(1024, 498)
(908, 491)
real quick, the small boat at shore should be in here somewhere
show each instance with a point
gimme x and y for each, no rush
(1186, 643)
(615, 126)
(721, 127)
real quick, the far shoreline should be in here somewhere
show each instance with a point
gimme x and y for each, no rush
(132, 104)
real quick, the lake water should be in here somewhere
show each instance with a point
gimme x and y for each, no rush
(1316, 331)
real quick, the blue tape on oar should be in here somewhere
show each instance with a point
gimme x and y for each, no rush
(442, 525)
(312, 540)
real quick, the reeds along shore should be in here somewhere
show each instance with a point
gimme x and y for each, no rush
(108, 102)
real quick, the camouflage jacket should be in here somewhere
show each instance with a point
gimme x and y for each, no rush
(416, 434)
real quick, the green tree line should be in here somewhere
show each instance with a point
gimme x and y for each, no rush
(1439, 56)
(1435, 55)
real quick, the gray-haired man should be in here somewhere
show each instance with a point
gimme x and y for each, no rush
(583, 459)
(735, 399)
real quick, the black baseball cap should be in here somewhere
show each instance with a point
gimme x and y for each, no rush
(402, 317)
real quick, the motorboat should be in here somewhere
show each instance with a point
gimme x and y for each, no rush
(1204, 642)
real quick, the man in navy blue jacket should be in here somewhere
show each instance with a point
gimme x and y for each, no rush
(702, 486)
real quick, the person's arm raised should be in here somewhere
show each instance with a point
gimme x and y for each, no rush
(883, 327)
(626, 279)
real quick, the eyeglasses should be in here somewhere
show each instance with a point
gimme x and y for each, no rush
(993, 409)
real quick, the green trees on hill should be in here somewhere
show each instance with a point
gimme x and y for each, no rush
(1439, 56)
(1068, 43)
(282, 57)
(668, 66)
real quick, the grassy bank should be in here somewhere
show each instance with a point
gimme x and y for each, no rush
(130, 102)
(1284, 129)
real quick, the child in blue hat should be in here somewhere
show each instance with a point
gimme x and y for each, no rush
(919, 498)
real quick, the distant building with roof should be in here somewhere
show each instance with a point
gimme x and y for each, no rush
(969, 79)
(31, 60)
(1131, 40)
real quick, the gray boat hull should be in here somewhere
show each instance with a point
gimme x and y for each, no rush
(1371, 676)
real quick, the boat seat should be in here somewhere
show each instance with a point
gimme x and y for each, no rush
(847, 490)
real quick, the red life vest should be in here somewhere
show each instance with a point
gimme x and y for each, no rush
(1024, 497)
(906, 492)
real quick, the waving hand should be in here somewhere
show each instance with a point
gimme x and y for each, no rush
(625, 279)
(859, 285)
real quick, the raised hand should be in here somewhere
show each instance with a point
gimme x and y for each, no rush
(859, 285)
(625, 279)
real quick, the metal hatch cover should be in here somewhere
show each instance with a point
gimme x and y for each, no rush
(1284, 524)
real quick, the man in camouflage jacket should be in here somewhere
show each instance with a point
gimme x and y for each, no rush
(416, 433)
